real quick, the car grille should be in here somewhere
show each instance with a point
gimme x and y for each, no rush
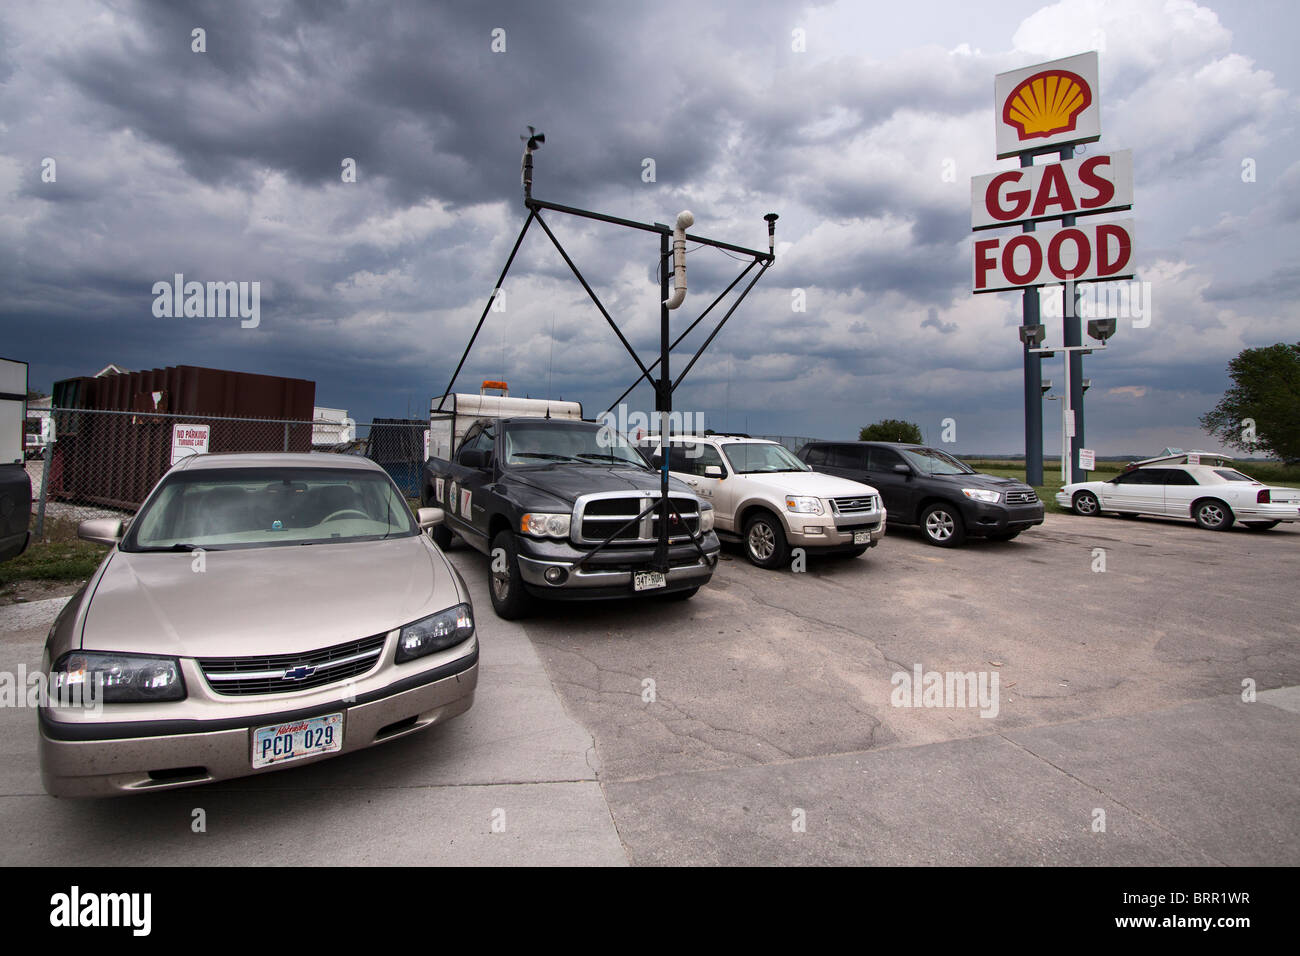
(1021, 497)
(284, 673)
(596, 518)
(853, 506)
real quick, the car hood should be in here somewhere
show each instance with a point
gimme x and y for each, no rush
(567, 481)
(981, 480)
(812, 484)
(279, 600)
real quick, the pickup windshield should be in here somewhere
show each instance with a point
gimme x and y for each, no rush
(548, 442)
(748, 458)
(931, 461)
(219, 509)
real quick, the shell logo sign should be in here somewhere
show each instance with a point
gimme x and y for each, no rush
(1050, 104)
(1047, 103)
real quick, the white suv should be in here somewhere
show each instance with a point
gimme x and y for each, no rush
(771, 501)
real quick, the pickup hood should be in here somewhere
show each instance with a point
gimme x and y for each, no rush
(566, 482)
(812, 484)
(264, 600)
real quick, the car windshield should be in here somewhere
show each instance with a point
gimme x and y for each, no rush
(584, 443)
(1230, 474)
(931, 461)
(749, 458)
(265, 507)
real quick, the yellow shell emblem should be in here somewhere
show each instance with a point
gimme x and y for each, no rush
(1047, 103)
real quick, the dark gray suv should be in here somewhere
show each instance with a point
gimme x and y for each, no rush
(929, 488)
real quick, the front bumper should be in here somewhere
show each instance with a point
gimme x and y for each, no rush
(99, 758)
(827, 532)
(985, 519)
(1064, 500)
(609, 572)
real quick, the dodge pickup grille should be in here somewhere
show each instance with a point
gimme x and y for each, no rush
(596, 517)
(1021, 497)
(283, 673)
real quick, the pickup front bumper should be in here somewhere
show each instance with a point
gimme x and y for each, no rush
(609, 572)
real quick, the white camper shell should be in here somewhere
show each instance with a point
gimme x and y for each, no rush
(451, 418)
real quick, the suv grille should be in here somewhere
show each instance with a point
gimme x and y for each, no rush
(597, 518)
(284, 673)
(1021, 497)
(853, 506)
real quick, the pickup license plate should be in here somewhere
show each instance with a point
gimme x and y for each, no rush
(281, 743)
(648, 580)
(862, 537)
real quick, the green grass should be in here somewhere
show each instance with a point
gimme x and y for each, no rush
(62, 556)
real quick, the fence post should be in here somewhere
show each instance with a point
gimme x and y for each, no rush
(45, 480)
(286, 436)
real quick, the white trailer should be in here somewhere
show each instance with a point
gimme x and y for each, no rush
(451, 417)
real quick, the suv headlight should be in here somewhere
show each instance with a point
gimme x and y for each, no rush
(803, 506)
(706, 519)
(982, 494)
(82, 676)
(542, 525)
(437, 632)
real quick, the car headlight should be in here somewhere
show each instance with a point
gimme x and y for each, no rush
(542, 525)
(803, 506)
(706, 520)
(83, 676)
(982, 494)
(437, 632)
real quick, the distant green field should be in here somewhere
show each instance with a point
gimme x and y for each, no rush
(1274, 473)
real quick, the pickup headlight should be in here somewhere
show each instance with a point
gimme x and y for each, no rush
(706, 520)
(541, 525)
(803, 506)
(437, 632)
(982, 494)
(80, 677)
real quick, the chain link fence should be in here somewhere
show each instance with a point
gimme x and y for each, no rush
(104, 463)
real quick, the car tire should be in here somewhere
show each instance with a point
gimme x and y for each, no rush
(942, 525)
(509, 599)
(1260, 525)
(683, 595)
(765, 544)
(1086, 503)
(1004, 536)
(1212, 514)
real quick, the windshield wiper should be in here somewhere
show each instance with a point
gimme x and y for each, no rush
(596, 454)
(546, 456)
(182, 547)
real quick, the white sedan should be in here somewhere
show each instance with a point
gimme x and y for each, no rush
(1213, 495)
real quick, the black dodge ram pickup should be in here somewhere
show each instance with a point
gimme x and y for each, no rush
(542, 496)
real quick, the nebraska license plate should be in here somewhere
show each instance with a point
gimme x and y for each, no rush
(862, 537)
(648, 580)
(281, 743)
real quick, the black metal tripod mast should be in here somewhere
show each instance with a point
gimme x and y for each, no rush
(664, 385)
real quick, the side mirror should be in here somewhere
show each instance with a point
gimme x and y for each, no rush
(426, 518)
(903, 469)
(476, 458)
(101, 530)
(713, 471)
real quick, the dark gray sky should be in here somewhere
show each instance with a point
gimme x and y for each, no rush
(225, 166)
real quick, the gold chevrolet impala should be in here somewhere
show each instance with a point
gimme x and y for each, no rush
(259, 612)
